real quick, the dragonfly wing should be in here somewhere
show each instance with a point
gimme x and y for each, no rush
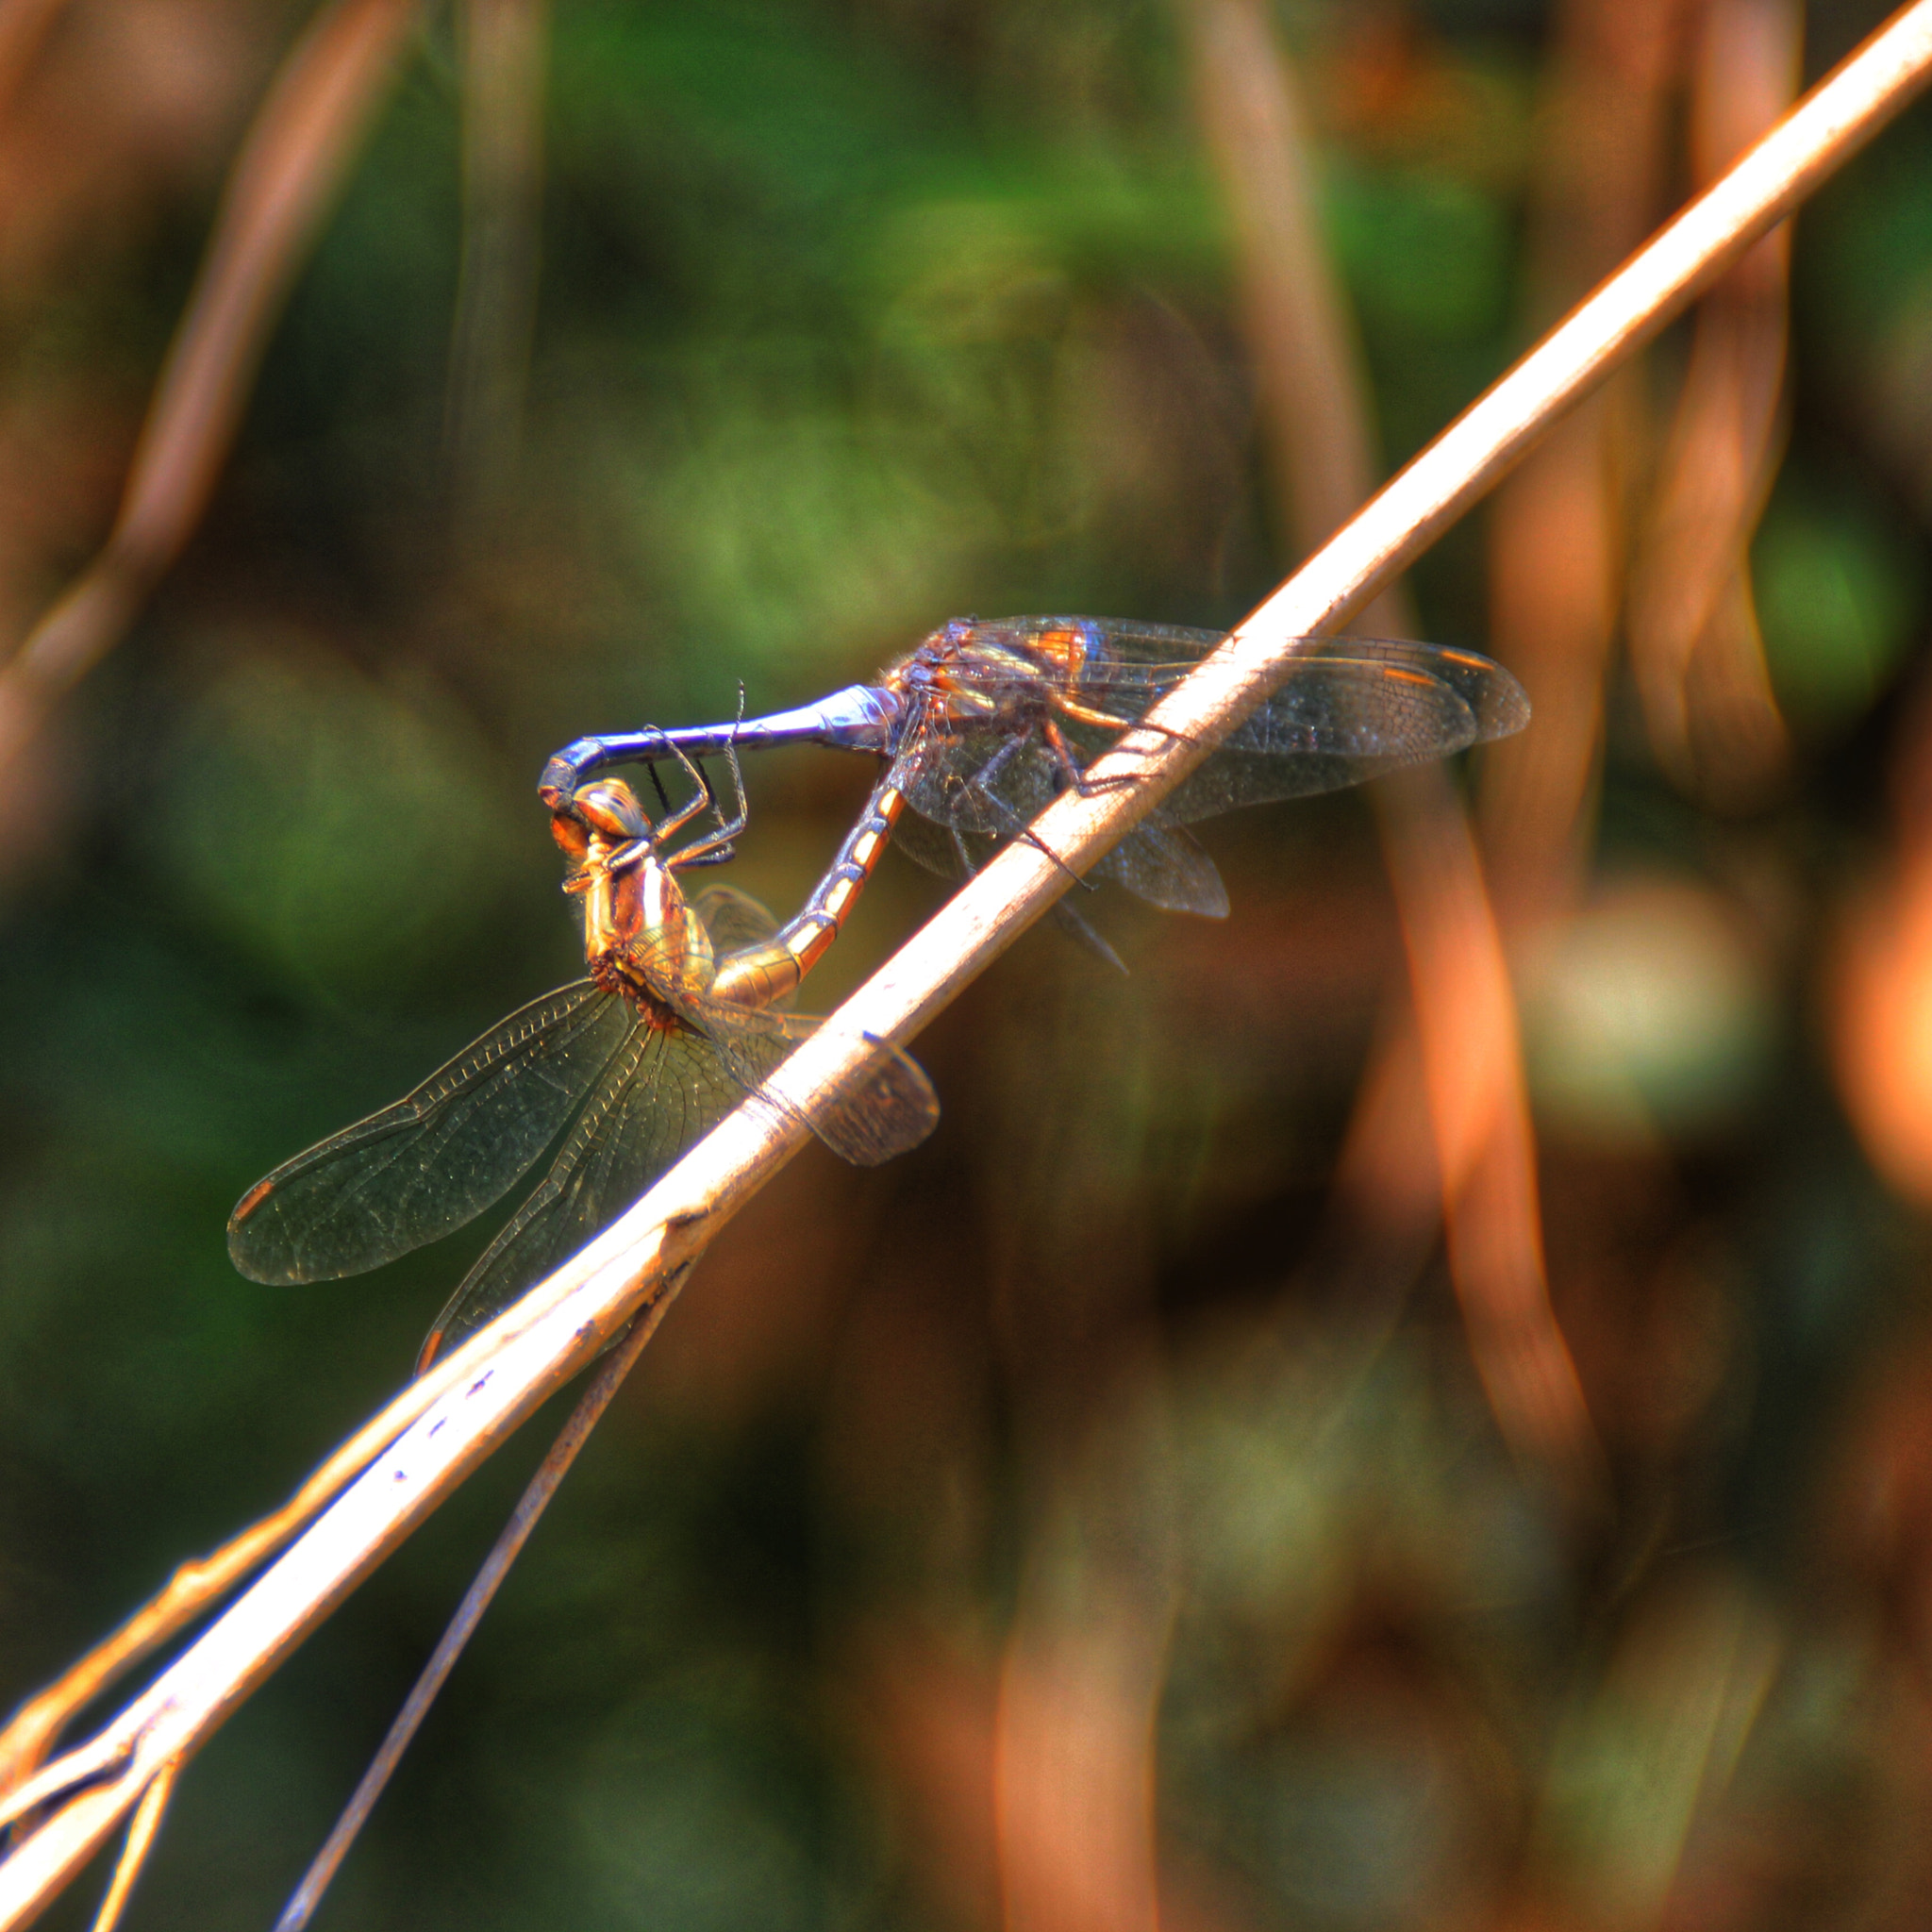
(884, 1111)
(938, 849)
(1160, 863)
(1117, 643)
(1165, 865)
(1348, 710)
(436, 1159)
(737, 924)
(664, 1091)
(735, 920)
(932, 843)
(983, 781)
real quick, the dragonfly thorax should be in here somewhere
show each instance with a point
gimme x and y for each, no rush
(642, 939)
(1001, 670)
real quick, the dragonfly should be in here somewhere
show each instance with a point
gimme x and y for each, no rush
(678, 1019)
(989, 720)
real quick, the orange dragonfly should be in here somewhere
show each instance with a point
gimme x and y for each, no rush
(676, 1022)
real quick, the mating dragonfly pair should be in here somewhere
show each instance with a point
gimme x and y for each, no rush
(682, 1014)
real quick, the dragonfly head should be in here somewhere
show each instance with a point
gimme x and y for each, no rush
(611, 808)
(600, 827)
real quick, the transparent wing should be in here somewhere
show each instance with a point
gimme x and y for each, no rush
(954, 855)
(1121, 641)
(664, 1091)
(1348, 710)
(1165, 865)
(661, 1094)
(438, 1157)
(886, 1112)
(736, 923)
(1125, 656)
(989, 793)
(735, 920)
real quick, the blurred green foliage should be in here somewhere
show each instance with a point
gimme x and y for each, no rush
(851, 319)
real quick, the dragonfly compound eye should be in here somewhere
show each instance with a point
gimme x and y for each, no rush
(610, 806)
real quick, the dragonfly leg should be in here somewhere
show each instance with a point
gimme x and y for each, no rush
(1016, 828)
(657, 786)
(1088, 714)
(1077, 774)
(1082, 933)
(706, 800)
(621, 860)
(1029, 836)
(1072, 772)
(968, 869)
(981, 782)
(715, 847)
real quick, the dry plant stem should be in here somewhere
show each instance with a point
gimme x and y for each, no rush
(1072, 1766)
(1557, 535)
(143, 1830)
(522, 1359)
(1484, 1143)
(281, 186)
(1451, 1054)
(1072, 1771)
(504, 63)
(23, 26)
(196, 1585)
(1308, 364)
(1478, 1104)
(508, 1375)
(1693, 632)
(476, 1599)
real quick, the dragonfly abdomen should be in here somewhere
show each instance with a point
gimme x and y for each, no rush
(760, 974)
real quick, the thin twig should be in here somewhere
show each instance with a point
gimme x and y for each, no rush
(280, 187)
(1694, 641)
(1454, 1045)
(516, 1532)
(143, 1830)
(1556, 535)
(504, 65)
(1472, 1066)
(1309, 367)
(589, 1299)
(192, 1587)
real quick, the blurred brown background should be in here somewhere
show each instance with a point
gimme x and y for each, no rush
(1141, 1505)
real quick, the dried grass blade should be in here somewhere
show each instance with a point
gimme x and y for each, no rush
(143, 1830)
(504, 63)
(1559, 529)
(1460, 987)
(280, 187)
(1693, 633)
(196, 1585)
(541, 1486)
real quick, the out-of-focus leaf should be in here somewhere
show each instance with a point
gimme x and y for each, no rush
(1651, 1014)
(329, 826)
(690, 1815)
(1838, 597)
(1427, 254)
